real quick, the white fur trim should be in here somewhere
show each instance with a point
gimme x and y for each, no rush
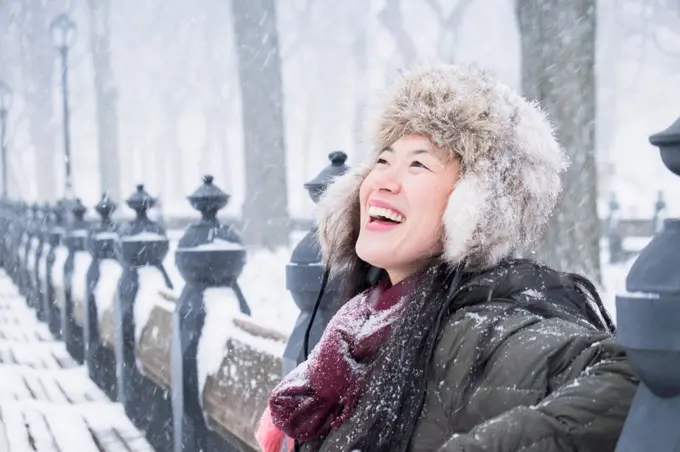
(511, 165)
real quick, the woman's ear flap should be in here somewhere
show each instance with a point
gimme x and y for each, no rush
(338, 218)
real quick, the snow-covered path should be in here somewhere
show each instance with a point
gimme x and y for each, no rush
(47, 402)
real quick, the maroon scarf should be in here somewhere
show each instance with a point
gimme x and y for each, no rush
(320, 394)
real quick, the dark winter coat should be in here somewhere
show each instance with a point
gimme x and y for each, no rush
(539, 382)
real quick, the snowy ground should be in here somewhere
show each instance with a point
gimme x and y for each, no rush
(47, 402)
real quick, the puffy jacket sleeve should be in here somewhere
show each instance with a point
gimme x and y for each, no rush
(308, 401)
(320, 393)
(584, 412)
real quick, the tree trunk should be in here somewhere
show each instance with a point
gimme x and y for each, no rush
(218, 95)
(39, 57)
(106, 98)
(361, 96)
(392, 19)
(449, 26)
(558, 70)
(265, 212)
(174, 154)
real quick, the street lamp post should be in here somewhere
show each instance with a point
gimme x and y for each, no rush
(5, 103)
(64, 34)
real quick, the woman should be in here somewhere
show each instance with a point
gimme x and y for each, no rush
(456, 345)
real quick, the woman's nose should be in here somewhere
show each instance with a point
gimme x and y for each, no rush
(389, 180)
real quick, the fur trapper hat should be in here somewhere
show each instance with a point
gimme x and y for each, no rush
(510, 171)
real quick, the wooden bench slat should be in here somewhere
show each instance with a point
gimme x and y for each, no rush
(64, 362)
(139, 444)
(4, 441)
(62, 357)
(25, 356)
(17, 434)
(110, 441)
(5, 355)
(49, 361)
(44, 355)
(77, 387)
(74, 389)
(115, 432)
(16, 386)
(40, 432)
(54, 392)
(71, 433)
(13, 356)
(43, 334)
(36, 388)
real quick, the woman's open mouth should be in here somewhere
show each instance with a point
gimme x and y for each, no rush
(381, 218)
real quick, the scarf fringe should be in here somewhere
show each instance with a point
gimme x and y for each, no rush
(269, 437)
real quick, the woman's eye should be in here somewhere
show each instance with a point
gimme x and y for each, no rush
(417, 164)
(381, 161)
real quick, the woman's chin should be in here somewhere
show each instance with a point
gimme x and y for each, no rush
(375, 256)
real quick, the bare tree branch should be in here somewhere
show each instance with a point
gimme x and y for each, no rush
(648, 18)
(392, 19)
(437, 8)
(449, 24)
(303, 28)
(20, 118)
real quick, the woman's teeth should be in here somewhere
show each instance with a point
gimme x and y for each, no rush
(381, 212)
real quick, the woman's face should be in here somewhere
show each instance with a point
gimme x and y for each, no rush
(403, 200)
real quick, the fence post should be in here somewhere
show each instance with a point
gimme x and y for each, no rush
(29, 234)
(19, 235)
(40, 238)
(209, 256)
(9, 237)
(50, 299)
(648, 316)
(75, 242)
(101, 362)
(304, 273)
(142, 244)
(5, 213)
(41, 263)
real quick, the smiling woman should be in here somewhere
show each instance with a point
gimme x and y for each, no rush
(404, 196)
(446, 341)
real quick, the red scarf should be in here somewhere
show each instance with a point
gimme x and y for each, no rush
(320, 394)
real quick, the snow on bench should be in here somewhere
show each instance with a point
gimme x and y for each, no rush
(63, 386)
(17, 321)
(26, 334)
(43, 355)
(47, 402)
(45, 428)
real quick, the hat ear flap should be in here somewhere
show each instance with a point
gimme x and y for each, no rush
(338, 218)
(480, 225)
(462, 216)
